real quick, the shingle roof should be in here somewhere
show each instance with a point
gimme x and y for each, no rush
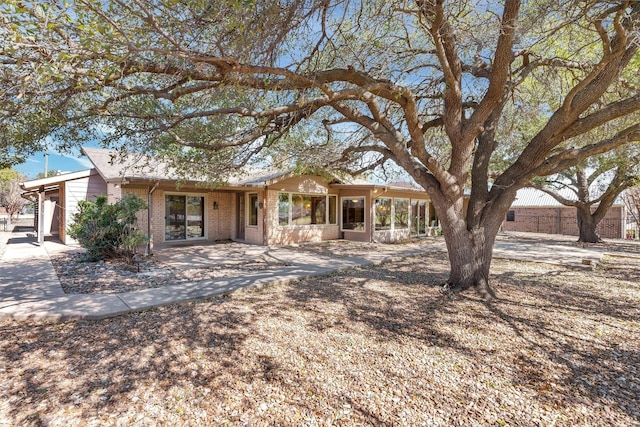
(113, 168)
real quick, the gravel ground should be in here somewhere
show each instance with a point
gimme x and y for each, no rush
(116, 276)
(370, 346)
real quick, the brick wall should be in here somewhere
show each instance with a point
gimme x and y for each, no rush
(219, 219)
(561, 220)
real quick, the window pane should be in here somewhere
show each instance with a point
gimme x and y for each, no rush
(174, 228)
(401, 217)
(300, 209)
(195, 216)
(511, 216)
(353, 214)
(253, 209)
(333, 202)
(318, 209)
(383, 214)
(283, 209)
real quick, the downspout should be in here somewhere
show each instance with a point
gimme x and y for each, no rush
(41, 215)
(148, 251)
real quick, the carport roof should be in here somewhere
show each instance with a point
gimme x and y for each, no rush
(54, 181)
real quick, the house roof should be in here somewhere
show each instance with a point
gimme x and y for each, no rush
(532, 197)
(114, 168)
(53, 181)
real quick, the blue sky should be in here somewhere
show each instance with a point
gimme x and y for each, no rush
(57, 161)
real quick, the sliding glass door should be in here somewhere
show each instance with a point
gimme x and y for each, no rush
(184, 217)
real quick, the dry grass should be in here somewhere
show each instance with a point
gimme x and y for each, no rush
(372, 346)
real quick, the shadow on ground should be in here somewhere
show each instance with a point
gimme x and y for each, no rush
(376, 345)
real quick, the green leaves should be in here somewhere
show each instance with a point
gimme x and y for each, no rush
(105, 230)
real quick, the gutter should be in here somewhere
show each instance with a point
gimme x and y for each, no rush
(148, 249)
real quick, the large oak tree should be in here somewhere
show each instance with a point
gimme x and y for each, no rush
(443, 90)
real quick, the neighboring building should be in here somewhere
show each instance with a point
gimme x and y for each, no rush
(535, 211)
(266, 208)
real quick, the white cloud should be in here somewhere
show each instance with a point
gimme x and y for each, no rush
(84, 162)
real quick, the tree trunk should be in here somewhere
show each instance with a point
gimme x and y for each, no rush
(470, 251)
(587, 225)
(470, 257)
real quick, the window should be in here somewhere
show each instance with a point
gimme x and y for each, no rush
(283, 209)
(511, 216)
(306, 209)
(300, 210)
(383, 213)
(401, 214)
(253, 209)
(333, 204)
(353, 214)
(184, 217)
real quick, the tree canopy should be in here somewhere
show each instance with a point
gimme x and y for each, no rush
(478, 95)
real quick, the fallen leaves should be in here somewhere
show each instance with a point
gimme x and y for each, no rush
(369, 346)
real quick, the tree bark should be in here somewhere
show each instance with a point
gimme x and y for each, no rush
(470, 255)
(470, 249)
(587, 225)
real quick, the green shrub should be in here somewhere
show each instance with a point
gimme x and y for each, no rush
(108, 231)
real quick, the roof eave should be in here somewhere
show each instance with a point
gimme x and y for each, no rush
(56, 180)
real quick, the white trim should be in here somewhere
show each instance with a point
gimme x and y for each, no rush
(392, 213)
(57, 179)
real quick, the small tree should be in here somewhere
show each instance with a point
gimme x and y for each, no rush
(108, 231)
(11, 194)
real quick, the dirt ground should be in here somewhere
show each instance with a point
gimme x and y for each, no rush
(371, 346)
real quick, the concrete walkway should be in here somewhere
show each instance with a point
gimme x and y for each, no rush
(29, 286)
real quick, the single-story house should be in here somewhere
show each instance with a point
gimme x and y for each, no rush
(535, 211)
(262, 207)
